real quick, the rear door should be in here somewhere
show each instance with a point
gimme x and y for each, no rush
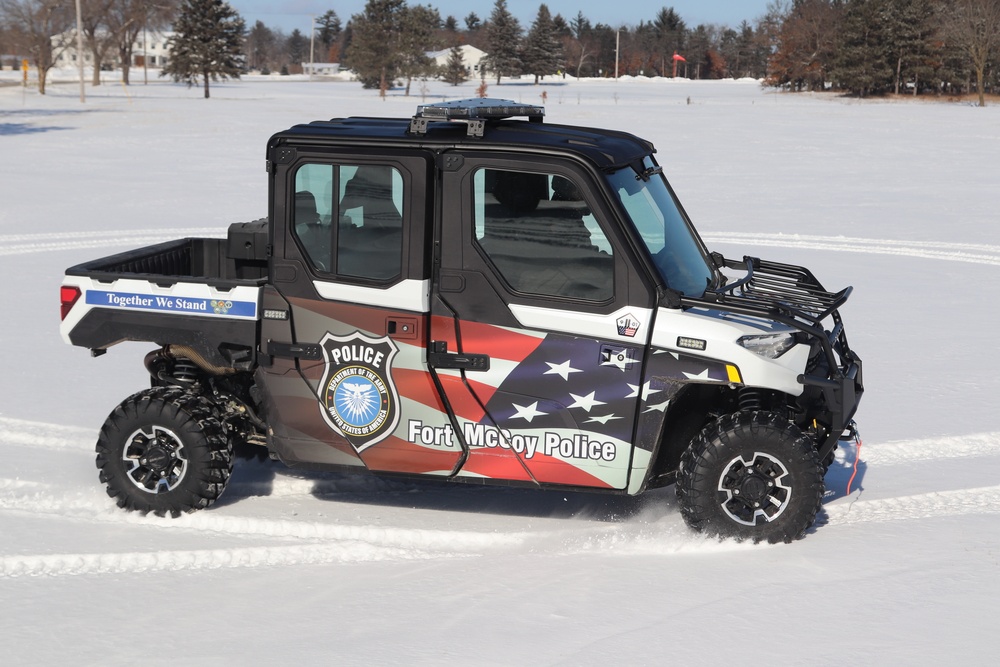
(346, 321)
(539, 324)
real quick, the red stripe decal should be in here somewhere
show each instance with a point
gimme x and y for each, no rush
(497, 342)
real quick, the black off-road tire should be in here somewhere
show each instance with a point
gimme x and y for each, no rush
(750, 476)
(164, 450)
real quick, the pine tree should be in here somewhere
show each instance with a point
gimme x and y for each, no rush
(455, 71)
(503, 33)
(295, 49)
(260, 47)
(208, 43)
(671, 33)
(375, 43)
(542, 52)
(909, 30)
(418, 27)
(328, 30)
(862, 62)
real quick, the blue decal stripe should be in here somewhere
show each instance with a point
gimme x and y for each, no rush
(172, 304)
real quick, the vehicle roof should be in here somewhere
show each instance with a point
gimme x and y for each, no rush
(606, 149)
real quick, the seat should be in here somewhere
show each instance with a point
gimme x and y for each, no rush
(315, 236)
(372, 249)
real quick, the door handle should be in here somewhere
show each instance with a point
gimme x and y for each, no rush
(439, 357)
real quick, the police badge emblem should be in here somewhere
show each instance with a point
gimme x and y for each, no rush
(357, 396)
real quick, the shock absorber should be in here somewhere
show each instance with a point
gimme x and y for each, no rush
(185, 371)
(749, 400)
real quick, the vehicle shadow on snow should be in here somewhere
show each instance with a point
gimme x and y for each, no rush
(9, 129)
(13, 129)
(837, 479)
(267, 478)
(839, 476)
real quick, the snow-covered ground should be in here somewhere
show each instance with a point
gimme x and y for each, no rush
(897, 198)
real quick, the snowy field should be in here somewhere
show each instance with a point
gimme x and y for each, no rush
(898, 199)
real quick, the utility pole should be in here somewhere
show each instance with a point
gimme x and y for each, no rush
(312, 47)
(618, 36)
(79, 49)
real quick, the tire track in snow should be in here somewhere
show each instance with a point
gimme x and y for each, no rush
(45, 435)
(973, 253)
(900, 452)
(323, 542)
(209, 559)
(93, 506)
(983, 500)
(317, 542)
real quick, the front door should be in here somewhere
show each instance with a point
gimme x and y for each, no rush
(539, 326)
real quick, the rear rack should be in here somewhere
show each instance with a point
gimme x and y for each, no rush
(474, 112)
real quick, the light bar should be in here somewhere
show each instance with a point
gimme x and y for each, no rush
(475, 112)
(485, 108)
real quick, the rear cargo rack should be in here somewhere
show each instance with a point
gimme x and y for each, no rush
(474, 112)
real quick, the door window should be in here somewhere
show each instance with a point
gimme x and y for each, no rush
(541, 236)
(348, 219)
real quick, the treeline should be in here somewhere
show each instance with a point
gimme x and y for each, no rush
(873, 47)
(272, 50)
(862, 47)
(387, 40)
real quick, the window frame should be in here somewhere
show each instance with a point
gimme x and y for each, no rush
(408, 201)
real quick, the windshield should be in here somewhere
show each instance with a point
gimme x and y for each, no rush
(656, 216)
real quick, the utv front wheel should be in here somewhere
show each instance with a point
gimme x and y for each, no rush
(164, 450)
(750, 476)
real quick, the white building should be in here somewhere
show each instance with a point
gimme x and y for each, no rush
(149, 48)
(471, 57)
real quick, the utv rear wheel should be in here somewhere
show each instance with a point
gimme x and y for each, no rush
(164, 450)
(750, 476)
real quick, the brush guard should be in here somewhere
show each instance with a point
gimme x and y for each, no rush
(793, 296)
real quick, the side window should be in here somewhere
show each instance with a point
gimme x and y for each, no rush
(349, 219)
(541, 235)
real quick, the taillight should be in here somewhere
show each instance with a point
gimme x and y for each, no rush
(68, 296)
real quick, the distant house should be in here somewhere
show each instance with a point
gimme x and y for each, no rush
(471, 56)
(321, 69)
(149, 48)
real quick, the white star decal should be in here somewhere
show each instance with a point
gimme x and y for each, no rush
(527, 412)
(563, 370)
(658, 407)
(646, 391)
(700, 376)
(602, 420)
(586, 402)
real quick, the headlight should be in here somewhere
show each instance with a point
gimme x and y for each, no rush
(769, 346)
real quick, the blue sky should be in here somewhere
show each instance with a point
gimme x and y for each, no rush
(292, 14)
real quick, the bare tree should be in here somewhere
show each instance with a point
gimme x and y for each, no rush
(37, 27)
(974, 26)
(126, 19)
(97, 37)
(805, 41)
